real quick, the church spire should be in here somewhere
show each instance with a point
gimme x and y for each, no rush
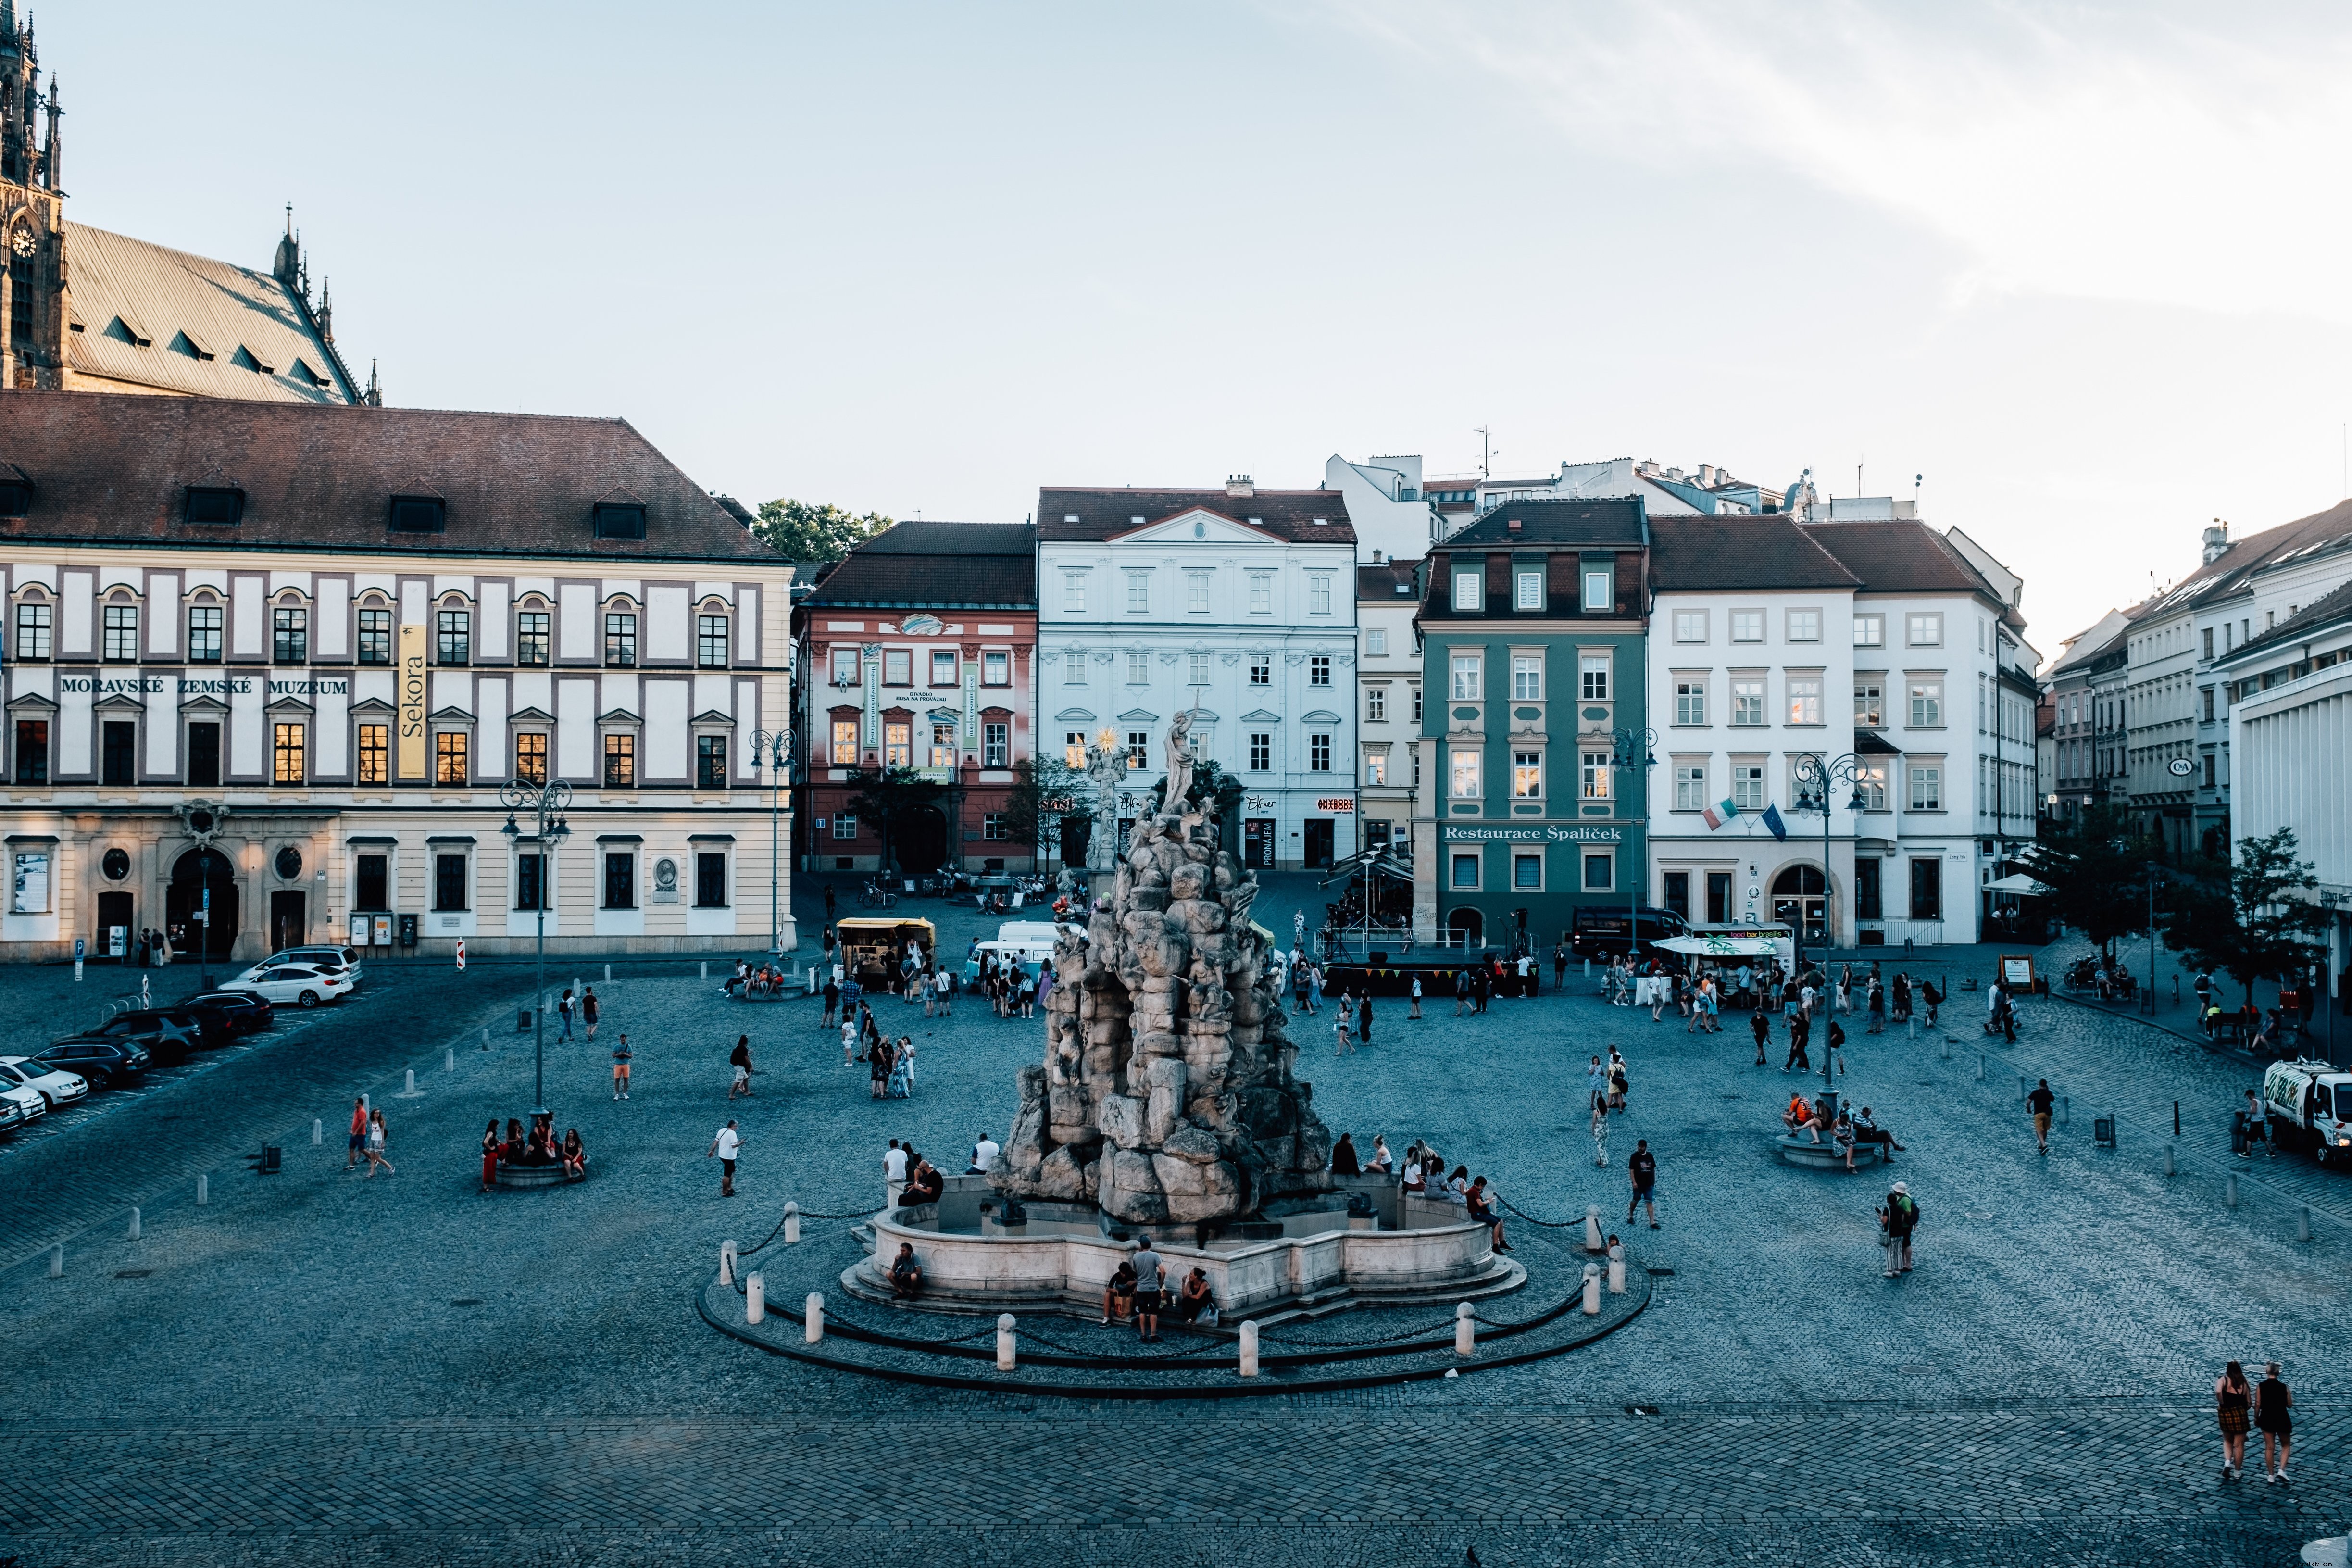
(52, 160)
(327, 310)
(373, 396)
(288, 268)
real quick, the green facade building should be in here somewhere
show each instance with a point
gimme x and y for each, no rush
(1533, 630)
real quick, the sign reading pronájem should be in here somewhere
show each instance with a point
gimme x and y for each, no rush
(412, 702)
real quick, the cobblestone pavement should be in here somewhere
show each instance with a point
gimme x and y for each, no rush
(324, 1368)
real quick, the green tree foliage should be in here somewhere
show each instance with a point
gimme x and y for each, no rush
(1051, 804)
(2097, 874)
(2258, 923)
(813, 534)
(886, 796)
(1217, 791)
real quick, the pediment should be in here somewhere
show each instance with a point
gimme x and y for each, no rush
(1321, 716)
(364, 705)
(712, 716)
(214, 705)
(1198, 525)
(1074, 716)
(289, 705)
(457, 713)
(1260, 716)
(531, 716)
(119, 702)
(622, 716)
(1138, 716)
(33, 702)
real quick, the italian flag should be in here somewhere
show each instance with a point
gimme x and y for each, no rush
(1721, 812)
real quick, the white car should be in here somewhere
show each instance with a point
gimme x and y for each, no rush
(55, 1085)
(26, 1104)
(343, 960)
(296, 983)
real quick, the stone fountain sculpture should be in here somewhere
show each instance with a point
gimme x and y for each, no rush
(1168, 1095)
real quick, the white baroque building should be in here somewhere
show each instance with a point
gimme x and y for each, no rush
(1237, 605)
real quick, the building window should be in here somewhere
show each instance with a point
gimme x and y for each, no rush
(1867, 904)
(1526, 775)
(711, 641)
(845, 826)
(1927, 787)
(1926, 703)
(1074, 748)
(2209, 770)
(1600, 870)
(1870, 702)
(287, 750)
(1138, 668)
(1319, 593)
(1527, 872)
(1526, 678)
(454, 635)
(943, 668)
(1870, 631)
(1871, 782)
(1926, 889)
(897, 667)
(1465, 872)
(1599, 587)
(1676, 890)
(121, 634)
(531, 882)
(1746, 626)
(710, 879)
(33, 631)
(449, 758)
(1748, 703)
(1466, 763)
(844, 743)
(996, 745)
(1467, 668)
(1690, 626)
(1074, 593)
(1318, 669)
(1199, 674)
(119, 752)
(1261, 751)
(1376, 768)
(1376, 641)
(1690, 701)
(1690, 786)
(205, 634)
(1376, 704)
(375, 753)
(290, 635)
(531, 756)
(1196, 593)
(32, 751)
(1804, 698)
(996, 668)
(944, 745)
(1073, 667)
(1804, 626)
(1318, 753)
(375, 636)
(1138, 748)
(1593, 777)
(1261, 669)
(1594, 668)
(1139, 593)
(1261, 593)
(370, 885)
(1748, 785)
(531, 636)
(2209, 703)
(1527, 594)
(1926, 630)
(621, 639)
(993, 827)
(449, 882)
(621, 882)
(1416, 704)
(898, 744)
(2209, 642)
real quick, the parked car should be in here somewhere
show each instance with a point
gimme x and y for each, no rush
(24, 1099)
(99, 1061)
(12, 1116)
(167, 1040)
(335, 960)
(195, 1026)
(297, 983)
(55, 1085)
(246, 1012)
(2308, 1105)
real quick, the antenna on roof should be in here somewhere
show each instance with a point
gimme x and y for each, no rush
(1857, 478)
(1485, 452)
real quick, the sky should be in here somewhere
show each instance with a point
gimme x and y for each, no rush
(2072, 274)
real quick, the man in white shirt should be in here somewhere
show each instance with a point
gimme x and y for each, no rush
(726, 1146)
(894, 1174)
(984, 1155)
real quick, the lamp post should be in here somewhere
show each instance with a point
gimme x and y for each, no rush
(1814, 778)
(546, 804)
(1631, 753)
(772, 749)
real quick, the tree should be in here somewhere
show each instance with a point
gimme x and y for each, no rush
(2097, 876)
(1050, 804)
(812, 533)
(1215, 791)
(2259, 923)
(885, 796)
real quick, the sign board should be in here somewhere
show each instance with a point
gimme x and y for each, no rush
(1337, 804)
(411, 693)
(118, 942)
(1548, 833)
(2017, 972)
(2180, 767)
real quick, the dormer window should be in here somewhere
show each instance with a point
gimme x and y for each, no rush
(620, 520)
(215, 504)
(418, 514)
(16, 497)
(245, 359)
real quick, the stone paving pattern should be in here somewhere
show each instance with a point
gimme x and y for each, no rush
(293, 1377)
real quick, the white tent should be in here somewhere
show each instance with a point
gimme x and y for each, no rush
(2019, 883)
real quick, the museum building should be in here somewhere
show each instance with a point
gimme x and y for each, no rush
(279, 659)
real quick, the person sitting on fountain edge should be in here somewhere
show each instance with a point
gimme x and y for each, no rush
(906, 1274)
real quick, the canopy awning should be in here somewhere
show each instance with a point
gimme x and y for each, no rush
(1721, 946)
(2019, 883)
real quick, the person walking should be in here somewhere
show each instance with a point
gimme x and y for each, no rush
(1364, 1014)
(2275, 1418)
(740, 1058)
(1901, 1218)
(831, 1004)
(1417, 996)
(622, 1055)
(588, 1010)
(491, 1155)
(1643, 1166)
(563, 1013)
(945, 984)
(2232, 1398)
(726, 1146)
(1876, 1005)
(375, 1146)
(1797, 1042)
(1560, 966)
(829, 903)
(359, 1132)
(1314, 987)
(1342, 1025)
(1760, 1025)
(2039, 1102)
(1599, 1128)
(1149, 1270)
(1461, 991)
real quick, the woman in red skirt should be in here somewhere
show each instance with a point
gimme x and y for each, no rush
(491, 1155)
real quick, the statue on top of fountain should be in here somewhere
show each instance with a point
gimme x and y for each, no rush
(1168, 1094)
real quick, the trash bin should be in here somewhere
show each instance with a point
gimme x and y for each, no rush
(2237, 1132)
(522, 1021)
(2103, 1131)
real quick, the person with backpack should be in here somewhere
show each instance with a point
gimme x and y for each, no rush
(2040, 1101)
(1900, 1218)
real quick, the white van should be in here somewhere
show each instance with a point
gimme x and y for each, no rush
(2309, 1106)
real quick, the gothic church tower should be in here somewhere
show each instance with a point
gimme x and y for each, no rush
(34, 306)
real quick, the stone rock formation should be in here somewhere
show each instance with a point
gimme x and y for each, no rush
(1167, 1095)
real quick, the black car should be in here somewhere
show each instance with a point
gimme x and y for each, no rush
(166, 1040)
(211, 1024)
(246, 1012)
(101, 1062)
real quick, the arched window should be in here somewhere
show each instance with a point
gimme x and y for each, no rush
(534, 634)
(1800, 893)
(374, 628)
(34, 638)
(712, 633)
(621, 632)
(119, 628)
(453, 631)
(289, 630)
(205, 612)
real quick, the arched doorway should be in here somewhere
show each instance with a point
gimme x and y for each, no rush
(1468, 927)
(919, 838)
(183, 902)
(1800, 893)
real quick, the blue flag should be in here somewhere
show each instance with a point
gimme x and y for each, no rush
(1772, 820)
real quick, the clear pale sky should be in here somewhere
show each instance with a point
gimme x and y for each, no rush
(2082, 268)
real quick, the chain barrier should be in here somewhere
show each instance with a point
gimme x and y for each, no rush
(1202, 1348)
(1353, 1344)
(1547, 1223)
(853, 1214)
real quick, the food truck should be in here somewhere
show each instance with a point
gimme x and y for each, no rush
(873, 947)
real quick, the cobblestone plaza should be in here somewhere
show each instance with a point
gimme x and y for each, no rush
(323, 1368)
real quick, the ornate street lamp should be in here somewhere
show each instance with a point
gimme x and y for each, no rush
(546, 804)
(1814, 779)
(772, 749)
(1632, 754)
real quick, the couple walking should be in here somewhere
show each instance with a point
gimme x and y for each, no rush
(2269, 1406)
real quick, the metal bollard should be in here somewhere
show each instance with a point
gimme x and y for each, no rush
(1249, 1348)
(2230, 1190)
(755, 1299)
(408, 1087)
(486, 1039)
(1617, 1272)
(1465, 1329)
(2170, 1168)
(1587, 969)
(813, 1316)
(727, 1262)
(134, 1224)
(1592, 1289)
(449, 1059)
(1947, 1045)
(1980, 1067)
(2065, 1110)
(1004, 1353)
(57, 1261)
(318, 1131)
(705, 969)
(608, 974)
(792, 1222)
(203, 1190)
(1913, 1024)
(1593, 1242)
(2303, 1223)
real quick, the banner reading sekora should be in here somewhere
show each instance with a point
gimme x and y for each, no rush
(412, 702)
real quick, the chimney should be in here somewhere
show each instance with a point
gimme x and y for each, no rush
(2217, 542)
(1707, 475)
(1238, 486)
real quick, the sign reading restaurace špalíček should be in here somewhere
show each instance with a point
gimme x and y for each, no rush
(412, 702)
(1533, 833)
